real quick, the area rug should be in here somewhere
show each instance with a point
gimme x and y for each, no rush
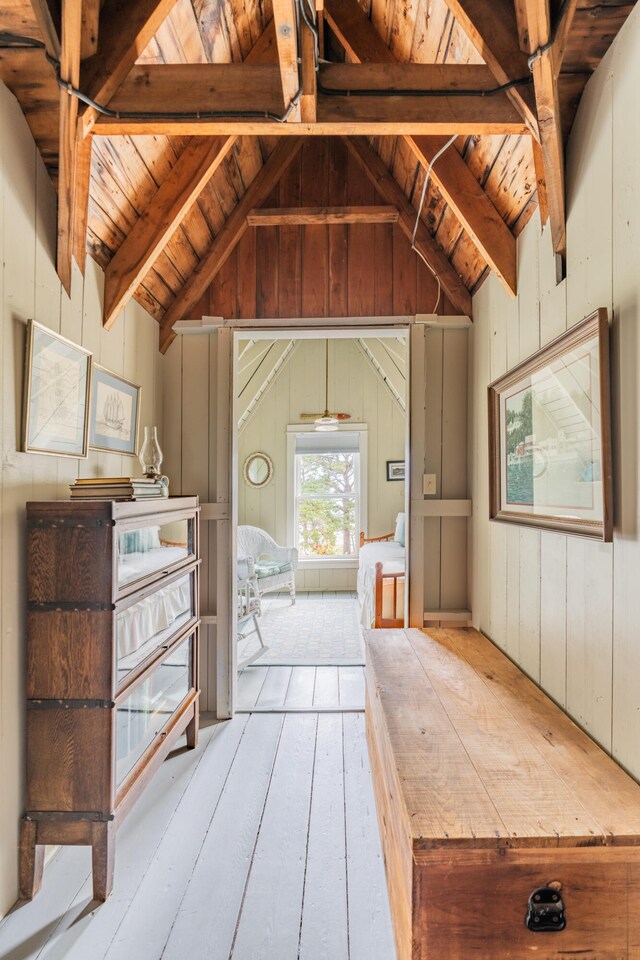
(322, 631)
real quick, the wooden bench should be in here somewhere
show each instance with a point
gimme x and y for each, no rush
(486, 793)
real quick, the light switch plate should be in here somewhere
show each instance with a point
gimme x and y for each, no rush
(429, 484)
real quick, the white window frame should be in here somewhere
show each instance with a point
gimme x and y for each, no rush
(326, 563)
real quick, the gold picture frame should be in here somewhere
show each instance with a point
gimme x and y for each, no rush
(57, 391)
(550, 461)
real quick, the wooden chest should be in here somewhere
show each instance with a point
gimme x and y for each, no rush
(488, 796)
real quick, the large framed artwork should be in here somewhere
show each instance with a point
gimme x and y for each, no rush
(550, 435)
(56, 394)
(115, 412)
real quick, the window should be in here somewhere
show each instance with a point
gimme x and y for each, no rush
(327, 507)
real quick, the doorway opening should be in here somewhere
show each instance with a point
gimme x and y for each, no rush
(321, 447)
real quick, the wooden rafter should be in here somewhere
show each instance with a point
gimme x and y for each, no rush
(228, 237)
(309, 98)
(562, 34)
(126, 28)
(81, 201)
(49, 24)
(541, 183)
(464, 195)
(69, 71)
(192, 171)
(284, 16)
(296, 216)
(492, 29)
(90, 22)
(535, 24)
(389, 190)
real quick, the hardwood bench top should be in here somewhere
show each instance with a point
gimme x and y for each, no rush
(483, 758)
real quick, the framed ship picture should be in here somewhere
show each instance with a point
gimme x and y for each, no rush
(550, 435)
(56, 394)
(115, 413)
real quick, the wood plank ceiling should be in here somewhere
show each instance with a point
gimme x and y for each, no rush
(478, 197)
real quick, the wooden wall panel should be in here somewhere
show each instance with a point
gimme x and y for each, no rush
(29, 288)
(316, 271)
(565, 605)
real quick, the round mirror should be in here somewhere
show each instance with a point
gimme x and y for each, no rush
(258, 469)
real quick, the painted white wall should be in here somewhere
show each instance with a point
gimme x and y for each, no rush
(29, 288)
(354, 387)
(565, 608)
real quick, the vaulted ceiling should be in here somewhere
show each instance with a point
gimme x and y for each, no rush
(205, 103)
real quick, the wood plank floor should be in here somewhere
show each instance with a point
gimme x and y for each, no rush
(263, 845)
(265, 689)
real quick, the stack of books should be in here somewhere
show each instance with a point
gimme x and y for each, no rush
(116, 488)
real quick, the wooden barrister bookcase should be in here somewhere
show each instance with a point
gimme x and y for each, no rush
(112, 666)
(489, 797)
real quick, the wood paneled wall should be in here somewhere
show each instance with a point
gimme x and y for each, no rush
(566, 608)
(29, 288)
(341, 270)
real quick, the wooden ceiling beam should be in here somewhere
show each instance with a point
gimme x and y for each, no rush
(126, 28)
(176, 195)
(493, 31)
(562, 34)
(541, 183)
(141, 247)
(400, 115)
(81, 201)
(310, 216)
(48, 18)
(391, 193)
(284, 16)
(332, 122)
(228, 237)
(309, 98)
(90, 24)
(536, 26)
(200, 87)
(465, 196)
(69, 71)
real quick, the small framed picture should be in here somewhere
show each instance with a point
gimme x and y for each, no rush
(57, 388)
(395, 469)
(115, 413)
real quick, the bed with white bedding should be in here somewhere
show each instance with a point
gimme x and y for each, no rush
(381, 568)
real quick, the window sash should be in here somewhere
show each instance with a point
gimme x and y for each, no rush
(352, 496)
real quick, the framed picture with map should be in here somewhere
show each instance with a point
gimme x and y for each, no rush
(550, 435)
(56, 394)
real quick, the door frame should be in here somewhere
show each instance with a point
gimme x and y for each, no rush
(229, 333)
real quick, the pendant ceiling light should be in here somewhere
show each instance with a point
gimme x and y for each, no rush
(326, 422)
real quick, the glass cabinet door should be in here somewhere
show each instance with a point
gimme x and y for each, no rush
(141, 716)
(149, 548)
(149, 624)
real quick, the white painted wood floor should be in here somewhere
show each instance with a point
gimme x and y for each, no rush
(263, 845)
(265, 689)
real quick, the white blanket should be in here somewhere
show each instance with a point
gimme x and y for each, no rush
(392, 555)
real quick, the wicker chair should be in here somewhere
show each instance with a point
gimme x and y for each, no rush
(275, 566)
